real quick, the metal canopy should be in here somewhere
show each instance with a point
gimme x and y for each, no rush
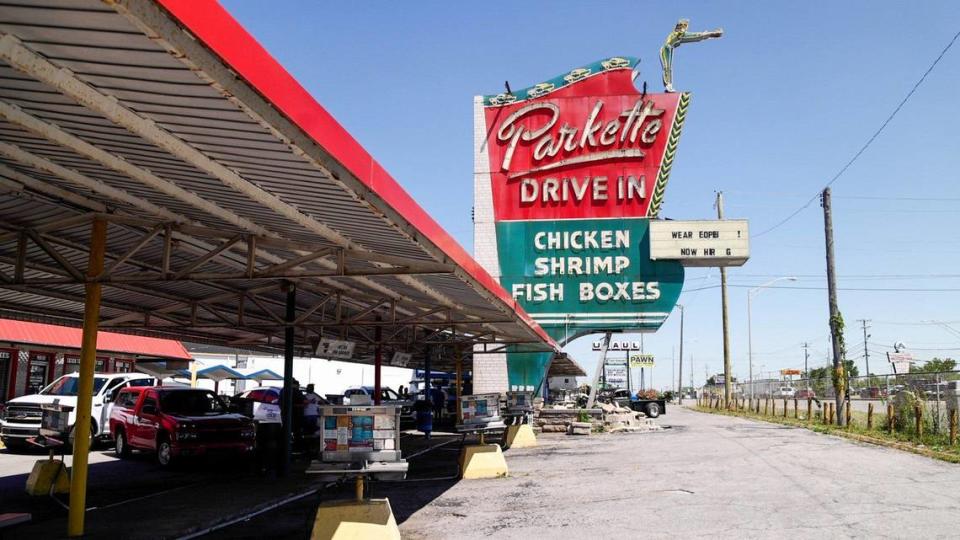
(222, 183)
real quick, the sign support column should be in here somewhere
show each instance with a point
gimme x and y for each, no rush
(600, 367)
(88, 354)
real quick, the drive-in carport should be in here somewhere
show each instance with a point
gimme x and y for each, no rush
(161, 174)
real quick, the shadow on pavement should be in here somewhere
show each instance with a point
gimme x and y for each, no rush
(136, 498)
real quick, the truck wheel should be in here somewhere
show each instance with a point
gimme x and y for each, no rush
(14, 444)
(120, 445)
(164, 451)
(72, 437)
(653, 410)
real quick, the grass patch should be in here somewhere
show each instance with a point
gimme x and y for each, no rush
(936, 446)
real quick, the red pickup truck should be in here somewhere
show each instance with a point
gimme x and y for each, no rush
(175, 422)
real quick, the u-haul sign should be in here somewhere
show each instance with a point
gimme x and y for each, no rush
(701, 243)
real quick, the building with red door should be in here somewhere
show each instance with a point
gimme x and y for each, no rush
(33, 354)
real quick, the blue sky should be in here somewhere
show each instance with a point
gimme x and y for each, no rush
(779, 105)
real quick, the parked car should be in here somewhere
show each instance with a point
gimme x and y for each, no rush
(873, 392)
(177, 422)
(266, 403)
(650, 406)
(20, 419)
(805, 393)
(388, 396)
(933, 390)
(785, 392)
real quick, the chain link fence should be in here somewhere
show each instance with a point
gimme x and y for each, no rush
(915, 405)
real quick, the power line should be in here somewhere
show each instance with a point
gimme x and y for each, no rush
(915, 323)
(850, 276)
(897, 198)
(869, 141)
(855, 289)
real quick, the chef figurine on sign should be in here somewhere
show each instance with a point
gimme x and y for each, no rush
(676, 38)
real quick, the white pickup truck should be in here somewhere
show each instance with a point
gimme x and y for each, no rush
(21, 417)
(363, 395)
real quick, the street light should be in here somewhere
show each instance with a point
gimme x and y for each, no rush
(750, 294)
(680, 379)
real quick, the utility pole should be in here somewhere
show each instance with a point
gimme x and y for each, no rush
(680, 381)
(839, 381)
(727, 383)
(866, 351)
(806, 359)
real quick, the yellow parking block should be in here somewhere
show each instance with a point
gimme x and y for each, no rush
(519, 436)
(45, 473)
(355, 520)
(482, 461)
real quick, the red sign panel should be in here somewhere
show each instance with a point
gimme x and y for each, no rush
(589, 149)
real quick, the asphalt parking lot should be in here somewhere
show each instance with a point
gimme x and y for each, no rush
(116, 487)
(137, 498)
(707, 475)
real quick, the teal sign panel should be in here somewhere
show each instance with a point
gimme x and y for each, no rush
(580, 275)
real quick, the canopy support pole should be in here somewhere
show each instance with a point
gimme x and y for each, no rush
(426, 376)
(88, 354)
(287, 404)
(459, 388)
(377, 363)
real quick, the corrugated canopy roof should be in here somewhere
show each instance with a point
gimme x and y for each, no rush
(221, 180)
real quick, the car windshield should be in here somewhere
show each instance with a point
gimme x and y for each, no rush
(190, 403)
(387, 394)
(68, 386)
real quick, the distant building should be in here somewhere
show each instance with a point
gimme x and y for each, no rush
(327, 376)
(32, 354)
(562, 383)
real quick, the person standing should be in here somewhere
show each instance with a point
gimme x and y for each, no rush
(311, 411)
(439, 400)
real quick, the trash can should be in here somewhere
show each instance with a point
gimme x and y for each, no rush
(424, 410)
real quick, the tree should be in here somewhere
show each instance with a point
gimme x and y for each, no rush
(937, 364)
(849, 368)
